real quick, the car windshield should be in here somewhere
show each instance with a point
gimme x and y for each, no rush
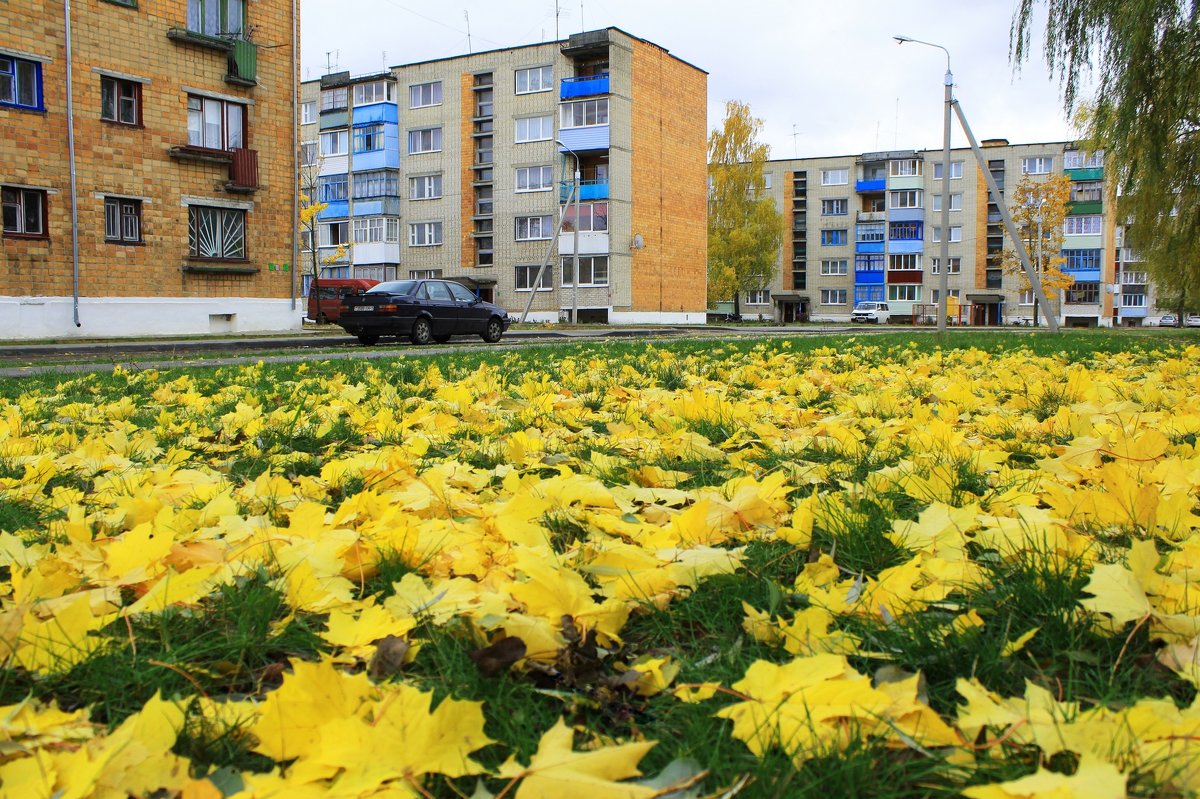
(393, 287)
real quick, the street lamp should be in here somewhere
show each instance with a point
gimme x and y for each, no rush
(944, 272)
(575, 258)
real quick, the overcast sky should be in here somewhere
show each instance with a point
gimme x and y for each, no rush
(825, 76)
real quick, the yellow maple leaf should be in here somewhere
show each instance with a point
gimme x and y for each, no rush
(557, 770)
(1093, 779)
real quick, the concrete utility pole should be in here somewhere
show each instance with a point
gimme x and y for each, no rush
(575, 259)
(944, 271)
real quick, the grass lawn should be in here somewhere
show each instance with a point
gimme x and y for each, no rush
(891, 566)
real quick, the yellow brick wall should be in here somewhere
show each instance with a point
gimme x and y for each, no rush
(118, 159)
(981, 204)
(669, 144)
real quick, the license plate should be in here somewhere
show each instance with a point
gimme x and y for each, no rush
(364, 307)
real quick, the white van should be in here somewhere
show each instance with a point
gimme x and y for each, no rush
(876, 312)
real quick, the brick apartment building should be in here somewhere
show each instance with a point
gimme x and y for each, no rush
(149, 167)
(868, 228)
(460, 168)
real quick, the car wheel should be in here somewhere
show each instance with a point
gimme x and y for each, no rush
(322, 319)
(422, 332)
(368, 339)
(495, 329)
(441, 339)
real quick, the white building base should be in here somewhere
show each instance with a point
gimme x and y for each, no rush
(30, 318)
(657, 317)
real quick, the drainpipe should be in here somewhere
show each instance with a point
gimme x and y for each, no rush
(71, 159)
(295, 152)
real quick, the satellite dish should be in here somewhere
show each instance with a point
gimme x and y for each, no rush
(638, 241)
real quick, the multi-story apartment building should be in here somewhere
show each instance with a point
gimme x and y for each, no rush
(461, 167)
(868, 227)
(149, 167)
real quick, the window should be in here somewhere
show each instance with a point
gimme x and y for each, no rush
(378, 91)
(908, 198)
(484, 102)
(425, 187)
(425, 274)
(216, 17)
(215, 124)
(368, 138)
(334, 142)
(904, 262)
(217, 233)
(1089, 225)
(1086, 293)
(120, 101)
(1026, 297)
(483, 200)
(759, 297)
(308, 153)
(376, 183)
(535, 129)
(956, 168)
(955, 265)
(835, 177)
(425, 140)
(24, 211)
(834, 207)
(425, 234)
(952, 293)
(335, 234)
(532, 228)
(833, 296)
(584, 113)
(1090, 191)
(483, 149)
(593, 270)
(525, 275)
(872, 231)
(535, 79)
(331, 188)
(1077, 159)
(305, 240)
(535, 178)
(955, 233)
(373, 229)
(905, 167)
(905, 231)
(1037, 165)
(393, 230)
(423, 95)
(868, 263)
(955, 202)
(122, 220)
(593, 217)
(308, 113)
(905, 293)
(835, 267)
(334, 99)
(1081, 259)
(833, 238)
(766, 182)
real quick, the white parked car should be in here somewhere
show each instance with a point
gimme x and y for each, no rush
(876, 312)
(1191, 320)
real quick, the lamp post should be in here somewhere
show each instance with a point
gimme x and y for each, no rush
(944, 272)
(575, 258)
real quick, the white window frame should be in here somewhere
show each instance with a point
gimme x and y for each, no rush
(835, 177)
(233, 131)
(956, 170)
(904, 262)
(425, 95)
(392, 230)
(955, 265)
(367, 230)
(1037, 165)
(834, 296)
(380, 91)
(324, 230)
(758, 297)
(955, 233)
(339, 140)
(829, 207)
(591, 262)
(534, 228)
(907, 195)
(835, 266)
(526, 174)
(536, 79)
(594, 107)
(530, 272)
(433, 145)
(425, 187)
(905, 168)
(1079, 159)
(955, 202)
(1086, 225)
(424, 234)
(308, 112)
(525, 129)
(896, 289)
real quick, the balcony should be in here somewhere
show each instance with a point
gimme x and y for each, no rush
(1085, 207)
(243, 171)
(872, 216)
(1085, 173)
(243, 64)
(583, 86)
(588, 190)
(875, 184)
(1133, 278)
(583, 139)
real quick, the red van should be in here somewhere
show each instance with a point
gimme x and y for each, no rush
(328, 307)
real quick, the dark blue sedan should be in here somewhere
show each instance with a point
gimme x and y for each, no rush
(422, 310)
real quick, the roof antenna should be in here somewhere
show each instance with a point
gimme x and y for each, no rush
(467, 17)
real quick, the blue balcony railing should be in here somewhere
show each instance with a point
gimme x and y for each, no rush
(870, 185)
(584, 86)
(588, 190)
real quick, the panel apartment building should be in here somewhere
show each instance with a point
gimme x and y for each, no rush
(149, 167)
(461, 167)
(868, 228)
